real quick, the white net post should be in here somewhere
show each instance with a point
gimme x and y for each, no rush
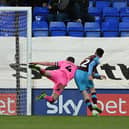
(29, 57)
(28, 52)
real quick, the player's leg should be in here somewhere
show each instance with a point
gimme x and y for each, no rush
(60, 81)
(90, 84)
(82, 82)
(93, 95)
(87, 99)
(57, 90)
(94, 100)
(92, 91)
(55, 95)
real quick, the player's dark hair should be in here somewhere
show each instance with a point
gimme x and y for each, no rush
(71, 59)
(99, 52)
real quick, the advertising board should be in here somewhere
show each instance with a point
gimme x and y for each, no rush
(112, 102)
(8, 103)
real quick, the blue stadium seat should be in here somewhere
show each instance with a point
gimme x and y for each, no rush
(110, 12)
(102, 4)
(57, 28)
(94, 11)
(124, 19)
(119, 4)
(39, 28)
(92, 29)
(42, 12)
(112, 19)
(109, 29)
(98, 19)
(124, 12)
(75, 29)
(124, 29)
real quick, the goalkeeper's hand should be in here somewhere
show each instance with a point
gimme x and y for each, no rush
(34, 66)
(31, 65)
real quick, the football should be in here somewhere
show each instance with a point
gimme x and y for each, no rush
(95, 113)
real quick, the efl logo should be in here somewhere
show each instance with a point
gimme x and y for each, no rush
(113, 104)
(8, 103)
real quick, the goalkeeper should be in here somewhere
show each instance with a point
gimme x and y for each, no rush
(60, 77)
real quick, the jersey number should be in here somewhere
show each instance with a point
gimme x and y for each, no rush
(85, 63)
(69, 68)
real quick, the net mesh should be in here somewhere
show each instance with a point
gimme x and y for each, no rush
(13, 38)
(9, 25)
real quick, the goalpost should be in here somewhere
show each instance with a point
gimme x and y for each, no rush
(16, 23)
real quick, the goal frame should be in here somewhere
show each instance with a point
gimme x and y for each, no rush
(29, 51)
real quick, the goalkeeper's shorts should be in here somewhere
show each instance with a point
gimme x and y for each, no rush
(60, 80)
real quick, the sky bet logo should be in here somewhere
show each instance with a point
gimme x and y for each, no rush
(113, 105)
(68, 107)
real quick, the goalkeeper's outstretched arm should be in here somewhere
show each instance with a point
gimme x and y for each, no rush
(44, 63)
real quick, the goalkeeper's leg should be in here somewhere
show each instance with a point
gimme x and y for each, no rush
(57, 90)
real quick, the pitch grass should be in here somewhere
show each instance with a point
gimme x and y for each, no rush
(64, 122)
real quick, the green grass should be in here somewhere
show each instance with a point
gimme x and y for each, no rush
(63, 122)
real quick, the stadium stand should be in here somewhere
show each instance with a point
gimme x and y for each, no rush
(111, 17)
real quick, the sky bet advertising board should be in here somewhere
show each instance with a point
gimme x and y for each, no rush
(8, 103)
(112, 102)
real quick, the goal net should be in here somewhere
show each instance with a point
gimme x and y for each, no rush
(15, 55)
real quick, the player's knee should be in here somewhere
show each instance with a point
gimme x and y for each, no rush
(52, 101)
